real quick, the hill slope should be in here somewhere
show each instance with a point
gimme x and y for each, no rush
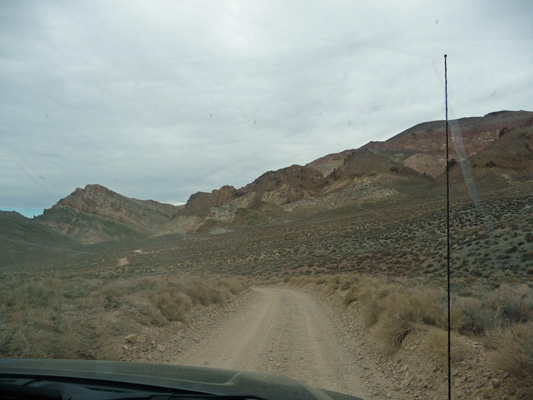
(22, 239)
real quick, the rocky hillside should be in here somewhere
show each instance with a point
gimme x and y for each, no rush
(507, 161)
(96, 214)
(423, 148)
(411, 163)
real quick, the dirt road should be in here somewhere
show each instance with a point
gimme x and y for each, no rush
(303, 334)
(284, 332)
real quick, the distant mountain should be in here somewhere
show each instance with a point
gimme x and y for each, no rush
(496, 149)
(262, 199)
(96, 214)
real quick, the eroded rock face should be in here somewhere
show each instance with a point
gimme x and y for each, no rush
(199, 204)
(285, 185)
(423, 147)
(428, 164)
(377, 171)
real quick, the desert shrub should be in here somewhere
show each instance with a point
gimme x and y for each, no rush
(371, 297)
(206, 294)
(457, 319)
(332, 282)
(297, 280)
(348, 281)
(113, 296)
(512, 303)
(476, 318)
(42, 333)
(80, 317)
(198, 291)
(172, 304)
(38, 294)
(395, 310)
(26, 334)
(513, 349)
(395, 321)
(90, 336)
(427, 306)
(436, 345)
(350, 296)
(147, 314)
(219, 295)
(235, 286)
(319, 280)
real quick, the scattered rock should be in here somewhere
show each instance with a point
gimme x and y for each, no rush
(132, 338)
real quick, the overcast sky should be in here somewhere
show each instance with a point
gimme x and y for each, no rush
(160, 99)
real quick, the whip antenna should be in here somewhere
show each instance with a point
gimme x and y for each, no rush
(448, 231)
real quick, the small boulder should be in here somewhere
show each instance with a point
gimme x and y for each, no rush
(132, 338)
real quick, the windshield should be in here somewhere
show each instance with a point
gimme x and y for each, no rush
(261, 186)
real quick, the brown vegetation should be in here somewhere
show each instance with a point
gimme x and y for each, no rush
(513, 349)
(501, 319)
(87, 316)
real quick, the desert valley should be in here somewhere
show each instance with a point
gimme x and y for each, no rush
(339, 264)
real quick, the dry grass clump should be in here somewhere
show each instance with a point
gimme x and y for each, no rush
(51, 328)
(513, 349)
(173, 305)
(371, 298)
(436, 346)
(477, 319)
(395, 321)
(395, 311)
(513, 303)
(80, 317)
(502, 318)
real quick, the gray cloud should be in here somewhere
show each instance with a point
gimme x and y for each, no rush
(160, 99)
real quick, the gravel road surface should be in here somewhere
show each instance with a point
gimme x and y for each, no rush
(283, 332)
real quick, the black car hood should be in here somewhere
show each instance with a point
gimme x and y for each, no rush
(197, 379)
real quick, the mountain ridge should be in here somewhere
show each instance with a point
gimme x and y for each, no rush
(378, 171)
(398, 169)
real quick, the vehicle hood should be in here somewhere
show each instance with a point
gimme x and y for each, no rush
(198, 379)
